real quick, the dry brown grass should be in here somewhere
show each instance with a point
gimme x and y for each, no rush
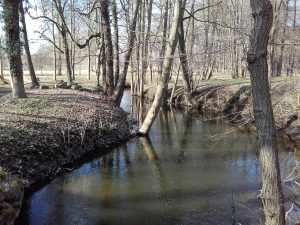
(40, 134)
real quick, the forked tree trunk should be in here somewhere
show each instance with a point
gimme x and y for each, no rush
(164, 78)
(34, 80)
(271, 193)
(63, 32)
(13, 46)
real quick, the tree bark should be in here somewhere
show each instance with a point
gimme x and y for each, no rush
(67, 53)
(63, 32)
(109, 53)
(282, 43)
(2, 80)
(13, 46)
(164, 78)
(271, 193)
(60, 45)
(131, 39)
(184, 61)
(34, 80)
(164, 44)
(116, 43)
(54, 46)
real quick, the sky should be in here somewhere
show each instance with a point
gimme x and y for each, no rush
(34, 40)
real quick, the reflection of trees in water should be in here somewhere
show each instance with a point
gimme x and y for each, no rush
(138, 108)
(187, 123)
(155, 165)
(149, 149)
(164, 125)
(106, 171)
(113, 165)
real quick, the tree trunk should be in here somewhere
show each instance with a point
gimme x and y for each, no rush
(164, 44)
(175, 84)
(291, 59)
(282, 47)
(99, 64)
(59, 60)
(63, 33)
(67, 53)
(73, 46)
(131, 39)
(273, 37)
(271, 193)
(116, 43)
(103, 64)
(109, 53)
(34, 80)
(2, 80)
(164, 78)
(54, 47)
(13, 46)
(184, 61)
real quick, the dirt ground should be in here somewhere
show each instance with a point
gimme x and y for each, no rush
(51, 128)
(4, 90)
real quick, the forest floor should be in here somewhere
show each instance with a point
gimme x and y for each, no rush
(50, 128)
(49, 132)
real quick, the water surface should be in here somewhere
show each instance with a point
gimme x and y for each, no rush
(189, 170)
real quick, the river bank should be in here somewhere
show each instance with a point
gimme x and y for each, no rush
(46, 133)
(234, 101)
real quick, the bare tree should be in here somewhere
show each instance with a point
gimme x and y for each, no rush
(116, 43)
(131, 40)
(64, 34)
(271, 193)
(164, 78)
(34, 80)
(184, 60)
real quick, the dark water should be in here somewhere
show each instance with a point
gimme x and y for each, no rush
(189, 171)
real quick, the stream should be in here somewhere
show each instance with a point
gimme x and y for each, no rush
(190, 170)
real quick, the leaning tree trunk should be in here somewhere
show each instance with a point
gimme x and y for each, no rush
(13, 46)
(34, 80)
(131, 39)
(166, 70)
(271, 193)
